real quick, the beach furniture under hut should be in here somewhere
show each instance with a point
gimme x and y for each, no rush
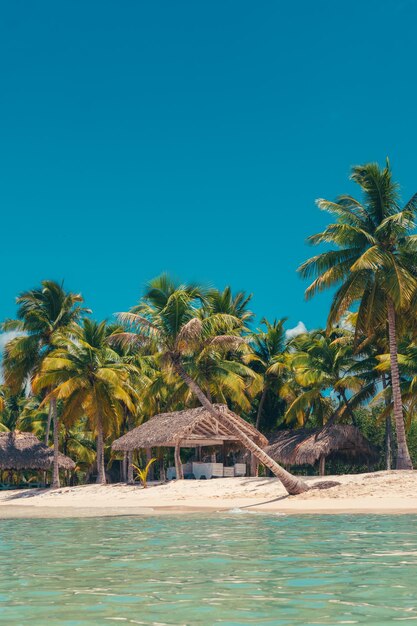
(190, 428)
(23, 451)
(307, 447)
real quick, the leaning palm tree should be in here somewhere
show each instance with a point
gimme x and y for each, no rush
(175, 323)
(41, 314)
(89, 378)
(373, 263)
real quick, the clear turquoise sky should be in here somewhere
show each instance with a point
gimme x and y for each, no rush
(192, 137)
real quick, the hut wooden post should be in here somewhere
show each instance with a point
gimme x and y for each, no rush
(254, 465)
(123, 464)
(322, 465)
(130, 480)
(178, 465)
(162, 476)
(151, 475)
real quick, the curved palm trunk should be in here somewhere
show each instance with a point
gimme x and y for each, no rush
(101, 474)
(388, 430)
(55, 470)
(260, 407)
(348, 407)
(48, 425)
(130, 480)
(403, 455)
(291, 483)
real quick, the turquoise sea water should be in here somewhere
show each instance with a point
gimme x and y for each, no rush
(200, 570)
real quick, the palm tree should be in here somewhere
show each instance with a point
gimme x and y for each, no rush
(407, 361)
(325, 364)
(373, 263)
(269, 348)
(173, 320)
(225, 302)
(42, 313)
(11, 406)
(89, 378)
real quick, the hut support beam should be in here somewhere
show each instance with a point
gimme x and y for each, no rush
(151, 475)
(254, 465)
(123, 466)
(178, 465)
(162, 475)
(130, 480)
(322, 465)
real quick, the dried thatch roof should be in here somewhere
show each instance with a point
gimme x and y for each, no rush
(299, 447)
(23, 451)
(191, 427)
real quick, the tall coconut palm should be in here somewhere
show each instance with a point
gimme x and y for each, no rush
(89, 378)
(42, 313)
(175, 323)
(373, 263)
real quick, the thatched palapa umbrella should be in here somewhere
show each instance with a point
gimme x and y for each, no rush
(306, 447)
(24, 451)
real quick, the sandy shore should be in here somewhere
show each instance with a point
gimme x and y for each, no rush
(379, 492)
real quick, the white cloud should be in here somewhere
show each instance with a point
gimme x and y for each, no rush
(297, 330)
(6, 337)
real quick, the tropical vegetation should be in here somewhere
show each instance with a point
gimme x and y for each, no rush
(183, 345)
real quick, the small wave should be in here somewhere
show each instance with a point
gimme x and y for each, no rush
(237, 511)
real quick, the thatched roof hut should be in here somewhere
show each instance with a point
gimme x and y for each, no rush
(24, 451)
(306, 447)
(188, 428)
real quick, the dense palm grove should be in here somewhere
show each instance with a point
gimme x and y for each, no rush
(78, 384)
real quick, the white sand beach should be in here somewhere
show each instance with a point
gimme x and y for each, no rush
(378, 492)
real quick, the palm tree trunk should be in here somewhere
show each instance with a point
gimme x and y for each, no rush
(403, 455)
(55, 470)
(48, 425)
(130, 480)
(101, 474)
(260, 407)
(388, 430)
(98, 458)
(291, 483)
(348, 407)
